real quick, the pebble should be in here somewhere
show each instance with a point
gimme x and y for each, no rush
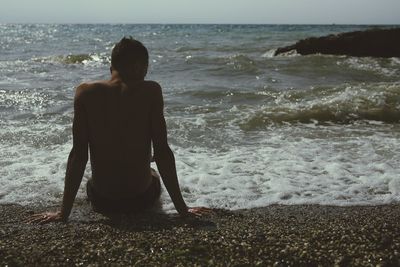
(326, 236)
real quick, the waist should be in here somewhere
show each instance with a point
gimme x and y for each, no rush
(129, 204)
(117, 186)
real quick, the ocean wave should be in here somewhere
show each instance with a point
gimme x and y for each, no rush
(240, 141)
(242, 48)
(395, 61)
(231, 96)
(76, 59)
(386, 67)
(320, 115)
(188, 49)
(232, 64)
(340, 105)
(269, 54)
(32, 100)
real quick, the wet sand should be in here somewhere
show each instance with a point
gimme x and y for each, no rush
(299, 235)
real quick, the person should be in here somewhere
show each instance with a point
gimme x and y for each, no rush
(118, 121)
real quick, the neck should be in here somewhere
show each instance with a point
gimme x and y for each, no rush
(115, 75)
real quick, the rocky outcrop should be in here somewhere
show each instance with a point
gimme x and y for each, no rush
(369, 43)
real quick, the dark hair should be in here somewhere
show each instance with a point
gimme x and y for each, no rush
(130, 57)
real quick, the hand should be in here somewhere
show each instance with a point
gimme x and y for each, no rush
(197, 211)
(46, 217)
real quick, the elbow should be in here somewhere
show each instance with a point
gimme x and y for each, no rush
(162, 151)
(79, 155)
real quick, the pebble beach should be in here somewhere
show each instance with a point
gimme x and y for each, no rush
(276, 235)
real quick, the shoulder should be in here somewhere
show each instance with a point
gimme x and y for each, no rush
(87, 88)
(85, 91)
(154, 88)
(152, 85)
(91, 86)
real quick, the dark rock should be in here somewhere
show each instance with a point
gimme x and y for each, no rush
(369, 43)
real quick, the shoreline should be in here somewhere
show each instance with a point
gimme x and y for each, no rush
(276, 235)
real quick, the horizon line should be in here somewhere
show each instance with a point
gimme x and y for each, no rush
(203, 23)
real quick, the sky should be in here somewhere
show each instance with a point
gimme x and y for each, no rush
(202, 11)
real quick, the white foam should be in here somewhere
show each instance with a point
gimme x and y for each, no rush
(395, 61)
(342, 169)
(371, 65)
(269, 54)
(222, 166)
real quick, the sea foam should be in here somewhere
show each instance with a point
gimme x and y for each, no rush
(248, 129)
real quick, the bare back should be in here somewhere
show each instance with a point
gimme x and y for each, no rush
(119, 135)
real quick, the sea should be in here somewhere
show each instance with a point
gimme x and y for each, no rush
(248, 129)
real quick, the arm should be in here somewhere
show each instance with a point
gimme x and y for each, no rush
(76, 163)
(163, 155)
(78, 156)
(165, 159)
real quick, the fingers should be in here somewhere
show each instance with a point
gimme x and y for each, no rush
(37, 218)
(195, 213)
(47, 220)
(200, 211)
(206, 210)
(33, 218)
(42, 218)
